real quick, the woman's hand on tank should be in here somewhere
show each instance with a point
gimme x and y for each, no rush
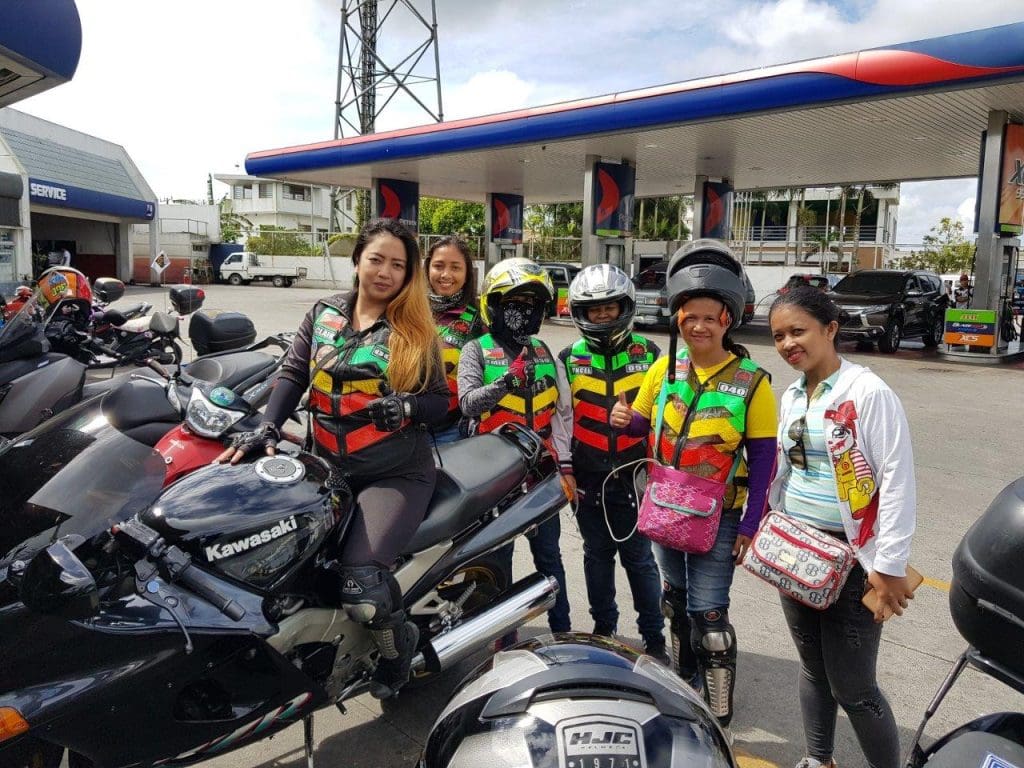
(621, 413)
(893, 594)
(387, 413)
(266, 437)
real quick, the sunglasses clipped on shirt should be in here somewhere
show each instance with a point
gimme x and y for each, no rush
(798, 451)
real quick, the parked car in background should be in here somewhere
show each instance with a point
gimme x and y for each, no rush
(889, 305)
(243, 267)
(652, 297)
(562, 273)
(824, 282)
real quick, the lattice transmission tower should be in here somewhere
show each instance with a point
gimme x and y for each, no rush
(368, 83)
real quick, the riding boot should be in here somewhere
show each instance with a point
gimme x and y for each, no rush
(396, 640)
(684, 660)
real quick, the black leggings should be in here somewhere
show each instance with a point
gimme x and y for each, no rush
(388, 512)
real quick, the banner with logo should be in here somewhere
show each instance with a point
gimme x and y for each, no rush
(399, 200)
(971, 327)
(1011, 182)
(614, 187)
(160, 263)
(506, 218)
(716, 210)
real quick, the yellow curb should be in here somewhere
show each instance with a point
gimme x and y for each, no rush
(936, 584)
(747, 760)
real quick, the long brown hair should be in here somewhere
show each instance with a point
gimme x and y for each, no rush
(456, 242)
(414, 346)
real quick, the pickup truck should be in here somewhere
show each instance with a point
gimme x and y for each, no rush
(242, 267)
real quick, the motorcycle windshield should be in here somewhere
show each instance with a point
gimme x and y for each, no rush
(21, 332)
(74, 474)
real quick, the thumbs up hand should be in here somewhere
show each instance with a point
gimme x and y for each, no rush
(621, 413)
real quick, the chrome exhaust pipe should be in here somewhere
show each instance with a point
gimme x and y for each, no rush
(525, 600)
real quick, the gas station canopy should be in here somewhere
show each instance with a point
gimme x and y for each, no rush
(40, 43)
(899, 113)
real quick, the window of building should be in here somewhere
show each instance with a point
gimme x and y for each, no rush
(348, 202)
(295, 192)
(266, 190)
(242, 192)
(303, 227)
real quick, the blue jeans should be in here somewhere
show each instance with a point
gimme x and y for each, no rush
(547, 559)
(448, 435)
(599, 550)
(705, 579)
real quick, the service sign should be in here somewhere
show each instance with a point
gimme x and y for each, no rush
(1011, 188)
(397, 199)
(971, 327)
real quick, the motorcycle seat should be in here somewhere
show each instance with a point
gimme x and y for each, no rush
(163, 323)
(230, 370)
(112, 316)
(133, 309)
(475, 475)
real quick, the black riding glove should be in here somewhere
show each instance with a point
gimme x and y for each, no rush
(267, 436)
(388, 413)
(520, 373)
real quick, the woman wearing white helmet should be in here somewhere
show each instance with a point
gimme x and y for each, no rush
(717, 416)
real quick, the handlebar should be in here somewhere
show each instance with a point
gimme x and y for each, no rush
(176, 564)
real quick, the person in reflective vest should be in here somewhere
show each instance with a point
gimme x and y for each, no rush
(509, 376)
(608, 364)
(449, 269)
(730, 437)
(372, 363)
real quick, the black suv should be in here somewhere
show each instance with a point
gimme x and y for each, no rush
(889, 305)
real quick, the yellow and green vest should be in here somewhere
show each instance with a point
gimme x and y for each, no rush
(455, 327)
(532, 406)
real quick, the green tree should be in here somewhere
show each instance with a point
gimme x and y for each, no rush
(665, 221)
(450, 217)
(946, 249)
(232, 225)
(275, 241)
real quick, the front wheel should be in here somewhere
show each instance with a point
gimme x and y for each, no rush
(470, 589)
(890, 340)
(936, 330)
(34, 753)
(235, 279)
(278, 281)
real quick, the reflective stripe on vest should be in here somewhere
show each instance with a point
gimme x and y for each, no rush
(718, 425)
(455, 331)
(596, 381)
(532, 406)
(340, 392)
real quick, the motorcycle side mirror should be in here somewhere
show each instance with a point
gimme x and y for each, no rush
(57, 583)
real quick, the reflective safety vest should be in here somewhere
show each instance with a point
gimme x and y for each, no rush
(455, 328)
(596, 381)
(340, 392)
(531, 406)
(717, 425)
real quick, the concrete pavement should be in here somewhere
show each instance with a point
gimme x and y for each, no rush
(967, 424)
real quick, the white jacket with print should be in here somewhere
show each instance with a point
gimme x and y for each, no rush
(868, 439)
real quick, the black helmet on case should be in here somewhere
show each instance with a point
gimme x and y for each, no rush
(706, 268)
(602, 284)
(574, 700)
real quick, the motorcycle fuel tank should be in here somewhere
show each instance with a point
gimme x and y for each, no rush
(255, 521)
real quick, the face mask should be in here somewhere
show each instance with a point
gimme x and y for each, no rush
(517, 321)
(440, 304)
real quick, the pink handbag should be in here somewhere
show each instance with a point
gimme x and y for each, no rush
(681, 510)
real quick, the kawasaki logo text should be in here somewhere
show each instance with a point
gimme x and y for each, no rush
(220, 551)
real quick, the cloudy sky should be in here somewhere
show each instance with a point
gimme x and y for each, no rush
(188, 87)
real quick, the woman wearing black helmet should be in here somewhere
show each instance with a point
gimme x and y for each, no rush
(718, 420)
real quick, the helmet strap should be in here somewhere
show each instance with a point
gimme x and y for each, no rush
(673, 343)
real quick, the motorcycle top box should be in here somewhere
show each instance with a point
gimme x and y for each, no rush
(986, 598)
(214, 331)
(108, 289)
(281, 510)
(186, 299)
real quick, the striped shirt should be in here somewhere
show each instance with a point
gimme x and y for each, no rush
(809, 494)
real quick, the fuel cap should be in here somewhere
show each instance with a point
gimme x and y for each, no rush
(280, 470)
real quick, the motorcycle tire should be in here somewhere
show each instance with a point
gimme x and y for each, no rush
(490, 576)
(34, 753)
(165, 352)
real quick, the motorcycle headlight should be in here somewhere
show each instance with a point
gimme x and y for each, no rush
(206, 419)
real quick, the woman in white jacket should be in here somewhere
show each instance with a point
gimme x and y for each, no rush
(845, 466)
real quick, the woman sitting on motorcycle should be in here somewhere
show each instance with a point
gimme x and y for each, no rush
(372, 362)
(449, 269)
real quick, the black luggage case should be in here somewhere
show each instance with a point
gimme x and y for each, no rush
(186, 299)
(108, 289)
(215, 331)
(986, 598)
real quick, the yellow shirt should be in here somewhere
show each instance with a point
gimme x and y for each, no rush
(761, 420)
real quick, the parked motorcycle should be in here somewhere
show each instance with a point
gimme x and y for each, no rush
(105, 319)
(986, 600)
(198, 618)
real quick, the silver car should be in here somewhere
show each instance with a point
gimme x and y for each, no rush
(652, 297)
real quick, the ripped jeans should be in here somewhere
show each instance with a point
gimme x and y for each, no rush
(838, 650)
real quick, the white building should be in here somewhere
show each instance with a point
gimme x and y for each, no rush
(185, 231)
(286, 206)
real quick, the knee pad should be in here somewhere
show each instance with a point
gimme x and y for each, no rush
(714, 642)
(370, 594)
(673, 607)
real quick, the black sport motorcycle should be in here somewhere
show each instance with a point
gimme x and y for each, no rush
(199, 618)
